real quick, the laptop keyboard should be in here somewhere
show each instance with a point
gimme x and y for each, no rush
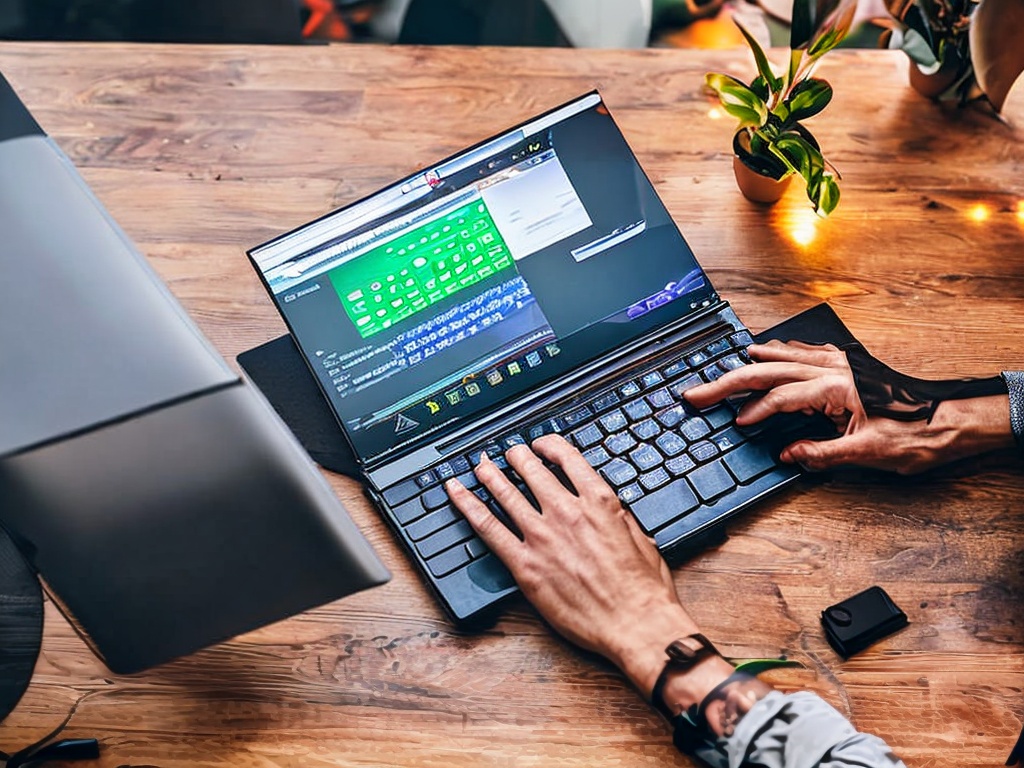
(667, 461)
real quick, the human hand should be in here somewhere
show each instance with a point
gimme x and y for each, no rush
(584, 562)
(805, 378)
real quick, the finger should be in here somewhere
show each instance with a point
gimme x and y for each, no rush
(787, 398)
(860, 449)
(495, 535)
(751, 378)
(825, 355)
(543, 483)
(578, 471)
(516, 506)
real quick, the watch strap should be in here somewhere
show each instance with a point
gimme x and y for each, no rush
(682, 653)
(1015, 387)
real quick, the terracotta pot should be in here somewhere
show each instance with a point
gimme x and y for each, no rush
(756, 176)
(757, 187)
(934, 85)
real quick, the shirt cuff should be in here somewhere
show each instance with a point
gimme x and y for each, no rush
(800, 730)
(1015, 387)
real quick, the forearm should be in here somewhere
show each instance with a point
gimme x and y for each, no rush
(963, 428)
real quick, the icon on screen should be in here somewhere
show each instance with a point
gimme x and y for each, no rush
(453, 397)
(472, 389)
(552, 350)
(433, 406)
(533, 359)
(494, 378)
(514, 368)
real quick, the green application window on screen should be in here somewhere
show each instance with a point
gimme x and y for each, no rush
(420, 268)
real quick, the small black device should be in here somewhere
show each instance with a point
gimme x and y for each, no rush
(856, 622)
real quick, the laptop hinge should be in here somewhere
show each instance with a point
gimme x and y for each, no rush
(561, 392)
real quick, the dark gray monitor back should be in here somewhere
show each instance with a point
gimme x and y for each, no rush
(159, 496)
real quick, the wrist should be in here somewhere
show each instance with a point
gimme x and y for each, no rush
(972, 426)
(641, 653)
(686, 689)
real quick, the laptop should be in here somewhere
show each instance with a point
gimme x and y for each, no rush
(532, 283)
(159, 496)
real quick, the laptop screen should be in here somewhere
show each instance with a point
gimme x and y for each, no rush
(493, 272)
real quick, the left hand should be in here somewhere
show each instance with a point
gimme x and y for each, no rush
(583, 560)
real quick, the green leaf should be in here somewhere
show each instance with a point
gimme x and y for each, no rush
(795, 58)
(760, 87)
(763, 67)
(802, 26)
(738, 99)
(832, 31)
(808, 98)
(828, 196)
(920, 51)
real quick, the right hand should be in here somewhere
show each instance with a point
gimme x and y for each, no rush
(803, 378)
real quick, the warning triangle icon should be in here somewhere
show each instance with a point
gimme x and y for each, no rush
(403, 424)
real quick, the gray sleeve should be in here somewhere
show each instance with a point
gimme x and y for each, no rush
(800, 730)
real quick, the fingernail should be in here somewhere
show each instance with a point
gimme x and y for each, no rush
(484, 457)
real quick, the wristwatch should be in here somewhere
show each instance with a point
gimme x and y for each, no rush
(682, 654)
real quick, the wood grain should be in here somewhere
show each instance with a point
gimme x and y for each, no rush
(202, 152)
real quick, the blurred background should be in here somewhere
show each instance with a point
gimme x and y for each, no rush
(579, 23)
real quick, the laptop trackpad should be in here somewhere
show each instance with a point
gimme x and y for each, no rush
(490, 574)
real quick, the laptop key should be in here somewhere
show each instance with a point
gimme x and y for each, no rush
(748, 461)
(660, 398)
(407, 512)
(426, 479)
(670, 444)
(448, 561)
(468, 479)
(684, 384)
(651, 379)
(697, 359)
(619, 443)
(703, 450)
(718, 416)
(396, 494)
(605, 401)
(647, 429)
(718, 347)
(677, 368)
(727, 439)
(680, 465)
(742, 339)
(637, 409)
(434, 497)
(614, 421)
(711, 480)
(654, 479)
(629, 389)
(456, 533)
(645, 457)
(664, 505)
(694, 428)
(460, 464)
(587, 436)
(577, 415)
(597, 456)
(630, 493)
(671, 416)
(475, 548)
(618, 472)
(431, 523)
(732, 362)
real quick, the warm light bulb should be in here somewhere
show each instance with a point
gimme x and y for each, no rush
(979, 213)
(1020, 211)
(715, 113)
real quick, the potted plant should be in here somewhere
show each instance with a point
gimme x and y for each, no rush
(771, 144)
(961, 50)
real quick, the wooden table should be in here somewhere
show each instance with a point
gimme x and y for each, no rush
(201, 152)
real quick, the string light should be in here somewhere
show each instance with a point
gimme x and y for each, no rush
(979, 213)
